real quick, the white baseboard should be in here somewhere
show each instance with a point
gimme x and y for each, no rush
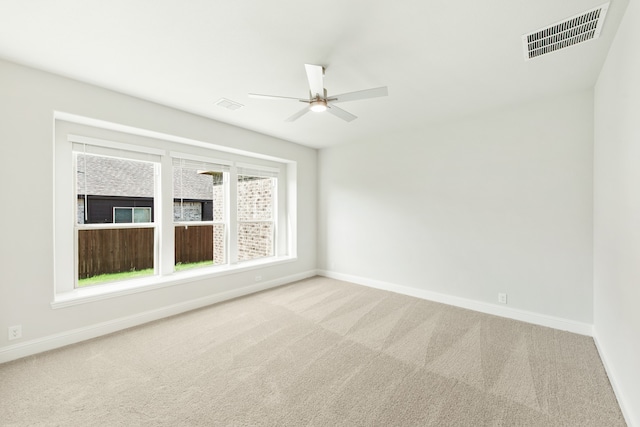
(73, 336)
(608, 367)
(483, 307)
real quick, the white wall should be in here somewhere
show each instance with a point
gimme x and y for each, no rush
(28, 99)
(617, 213)
(497, 203)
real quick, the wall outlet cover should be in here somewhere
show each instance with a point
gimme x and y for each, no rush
(15, 332)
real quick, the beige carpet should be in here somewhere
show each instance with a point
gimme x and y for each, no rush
(318, 352)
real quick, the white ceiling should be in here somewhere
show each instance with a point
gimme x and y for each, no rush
(440, 60)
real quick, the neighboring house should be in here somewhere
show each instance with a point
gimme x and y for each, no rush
(115, 190)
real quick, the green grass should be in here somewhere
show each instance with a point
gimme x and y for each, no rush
(180, 266)
(112, 277)
(125, 275)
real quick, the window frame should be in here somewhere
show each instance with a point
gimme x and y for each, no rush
(81, 145)
(262, 172)
(67, 132)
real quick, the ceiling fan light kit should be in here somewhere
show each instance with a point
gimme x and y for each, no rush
(318, 106)
(319, 101)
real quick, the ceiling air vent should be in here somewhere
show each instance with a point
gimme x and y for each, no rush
(577, 29)
(228, 104)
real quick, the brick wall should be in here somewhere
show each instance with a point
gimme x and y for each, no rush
(255, 206)
(219, 248)
(80, 211)
(192, 211)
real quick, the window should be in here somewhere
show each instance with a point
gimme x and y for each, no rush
(142, 210)
(199, 213)
(108, 248)
(128, 215)
(256, 213)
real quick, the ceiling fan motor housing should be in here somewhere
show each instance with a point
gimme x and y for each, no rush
(318, 105)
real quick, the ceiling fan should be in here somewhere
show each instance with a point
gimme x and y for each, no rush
(319, 101)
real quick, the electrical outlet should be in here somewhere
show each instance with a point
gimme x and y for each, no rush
(258, 278)
(15, 332)
(502, 298)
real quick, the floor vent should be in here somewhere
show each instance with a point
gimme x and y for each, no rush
(577, 29)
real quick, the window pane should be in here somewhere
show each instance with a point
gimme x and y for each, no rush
(197, 195)
(114, 190)
(255, 198)
(107, 255)
(142, 215)
(105, 183)
(199, 246)
(121, 215)
(255, 217)
(255, 240)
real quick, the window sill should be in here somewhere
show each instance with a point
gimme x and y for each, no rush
(116, 289)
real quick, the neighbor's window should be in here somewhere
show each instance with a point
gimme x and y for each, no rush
(131, 215)
(199, 213)
(113, 194)
(256, 212)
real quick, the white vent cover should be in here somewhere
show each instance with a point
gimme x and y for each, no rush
(228, 104)
(577, 29)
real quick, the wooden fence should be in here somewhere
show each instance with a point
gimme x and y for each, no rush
(128, 249)
(194, 244)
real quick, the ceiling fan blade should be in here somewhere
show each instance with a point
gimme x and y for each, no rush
(259, 96)
(339, 112)
(360, 94)
(315, 75)
(297, 115)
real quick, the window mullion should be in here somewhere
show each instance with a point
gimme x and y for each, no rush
(232, 212)
(164, 219)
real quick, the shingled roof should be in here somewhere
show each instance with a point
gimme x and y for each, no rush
(107, 176)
